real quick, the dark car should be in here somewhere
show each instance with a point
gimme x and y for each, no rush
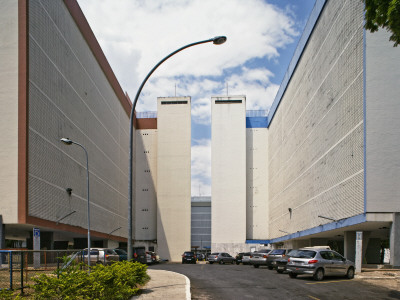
(188, 257)
(280, 263)
(274, 255)
(139, 255)
(122, 254)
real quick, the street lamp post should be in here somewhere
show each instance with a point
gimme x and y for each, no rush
(69, 142)
(218, 40)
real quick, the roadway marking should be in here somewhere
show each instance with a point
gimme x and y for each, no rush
(322, 282)
(313, 297)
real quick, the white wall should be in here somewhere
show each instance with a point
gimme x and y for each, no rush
(173, 177)
(382, 96)
(228, 173)
(9, 110)
(146, 185)
(257, 183)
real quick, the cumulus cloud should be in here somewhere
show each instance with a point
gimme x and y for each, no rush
(136, 34)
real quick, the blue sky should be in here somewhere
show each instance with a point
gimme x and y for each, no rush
(262, 36)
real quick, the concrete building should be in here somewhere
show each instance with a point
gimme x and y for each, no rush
(330, 142)
(163, 206)
(55, 82)
(228, 173)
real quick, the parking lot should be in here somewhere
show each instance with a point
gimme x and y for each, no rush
(246, 282)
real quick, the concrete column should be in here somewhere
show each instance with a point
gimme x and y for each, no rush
(358, 256)
(395, 241)
(2, 239)
(350, 245)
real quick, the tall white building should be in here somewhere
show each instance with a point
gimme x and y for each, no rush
(228, 173)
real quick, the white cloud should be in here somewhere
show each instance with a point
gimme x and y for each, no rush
(201, 168)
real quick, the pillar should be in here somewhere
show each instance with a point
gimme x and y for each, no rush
(395, 241)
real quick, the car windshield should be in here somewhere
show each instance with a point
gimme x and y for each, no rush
(120, 252)
(214, 253)
(263, 251)
(303, 253)
(278, 251)
(246, 254)
(189, 253)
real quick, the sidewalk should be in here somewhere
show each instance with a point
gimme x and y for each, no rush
(388, 278)
(165, 285)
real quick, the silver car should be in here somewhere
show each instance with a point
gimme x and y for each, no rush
(319, 263)
(221, 258)
(259, 258)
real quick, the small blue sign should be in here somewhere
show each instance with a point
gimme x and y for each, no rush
(36, 232)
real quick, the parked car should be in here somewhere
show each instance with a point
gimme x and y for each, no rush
(280, 263)
(152, 258)
(188, 257)
(243, 257)
(274, 255)
(122, 254)
(319, 263)
(221, 258)
(259, 258)
(139, 255)
(97, 256)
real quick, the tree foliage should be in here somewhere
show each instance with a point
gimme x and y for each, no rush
(385, 14)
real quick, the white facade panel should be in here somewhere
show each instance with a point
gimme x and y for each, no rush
(383, 123)
(173, 177)
(228, 172)
(257, 183)
(9, 110)
(145, 209)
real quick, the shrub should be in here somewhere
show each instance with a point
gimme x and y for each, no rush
(120, 280)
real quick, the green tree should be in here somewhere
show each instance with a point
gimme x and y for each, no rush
(385, 14)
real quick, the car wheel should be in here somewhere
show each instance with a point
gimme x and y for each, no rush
(280, 271)
(238, 263)
(270, 268)
(256, 266)
(211, 262)
(221, 262)
(319, 275)
(350, 273)
(292, 275)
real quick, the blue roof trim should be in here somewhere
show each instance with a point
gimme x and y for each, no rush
(312, 20)
(322, 228)
(256, 122)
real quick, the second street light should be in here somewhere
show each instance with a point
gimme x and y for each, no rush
(70, 142)
(218, 40)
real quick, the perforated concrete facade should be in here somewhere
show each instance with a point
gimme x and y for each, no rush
(9, 110)
(316, 136)
(70, 96)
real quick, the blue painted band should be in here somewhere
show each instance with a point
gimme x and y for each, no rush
(322, 228)
(256, 122)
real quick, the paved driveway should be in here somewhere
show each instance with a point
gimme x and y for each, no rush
(245, 282)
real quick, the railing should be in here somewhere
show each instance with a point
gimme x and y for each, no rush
(257, 113)
(146, 114)
(18, 267)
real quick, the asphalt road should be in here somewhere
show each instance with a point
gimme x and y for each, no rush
(245, 282)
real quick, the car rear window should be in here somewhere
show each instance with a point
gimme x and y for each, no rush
(189, 253)
(278, 251)
(303, 253)
(214, 253)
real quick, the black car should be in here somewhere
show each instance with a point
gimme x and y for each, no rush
(274, 255)
(188, 257)
(243, 257)
(280, 263)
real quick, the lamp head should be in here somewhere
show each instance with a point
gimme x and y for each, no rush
(218, 40)
(66, 141)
